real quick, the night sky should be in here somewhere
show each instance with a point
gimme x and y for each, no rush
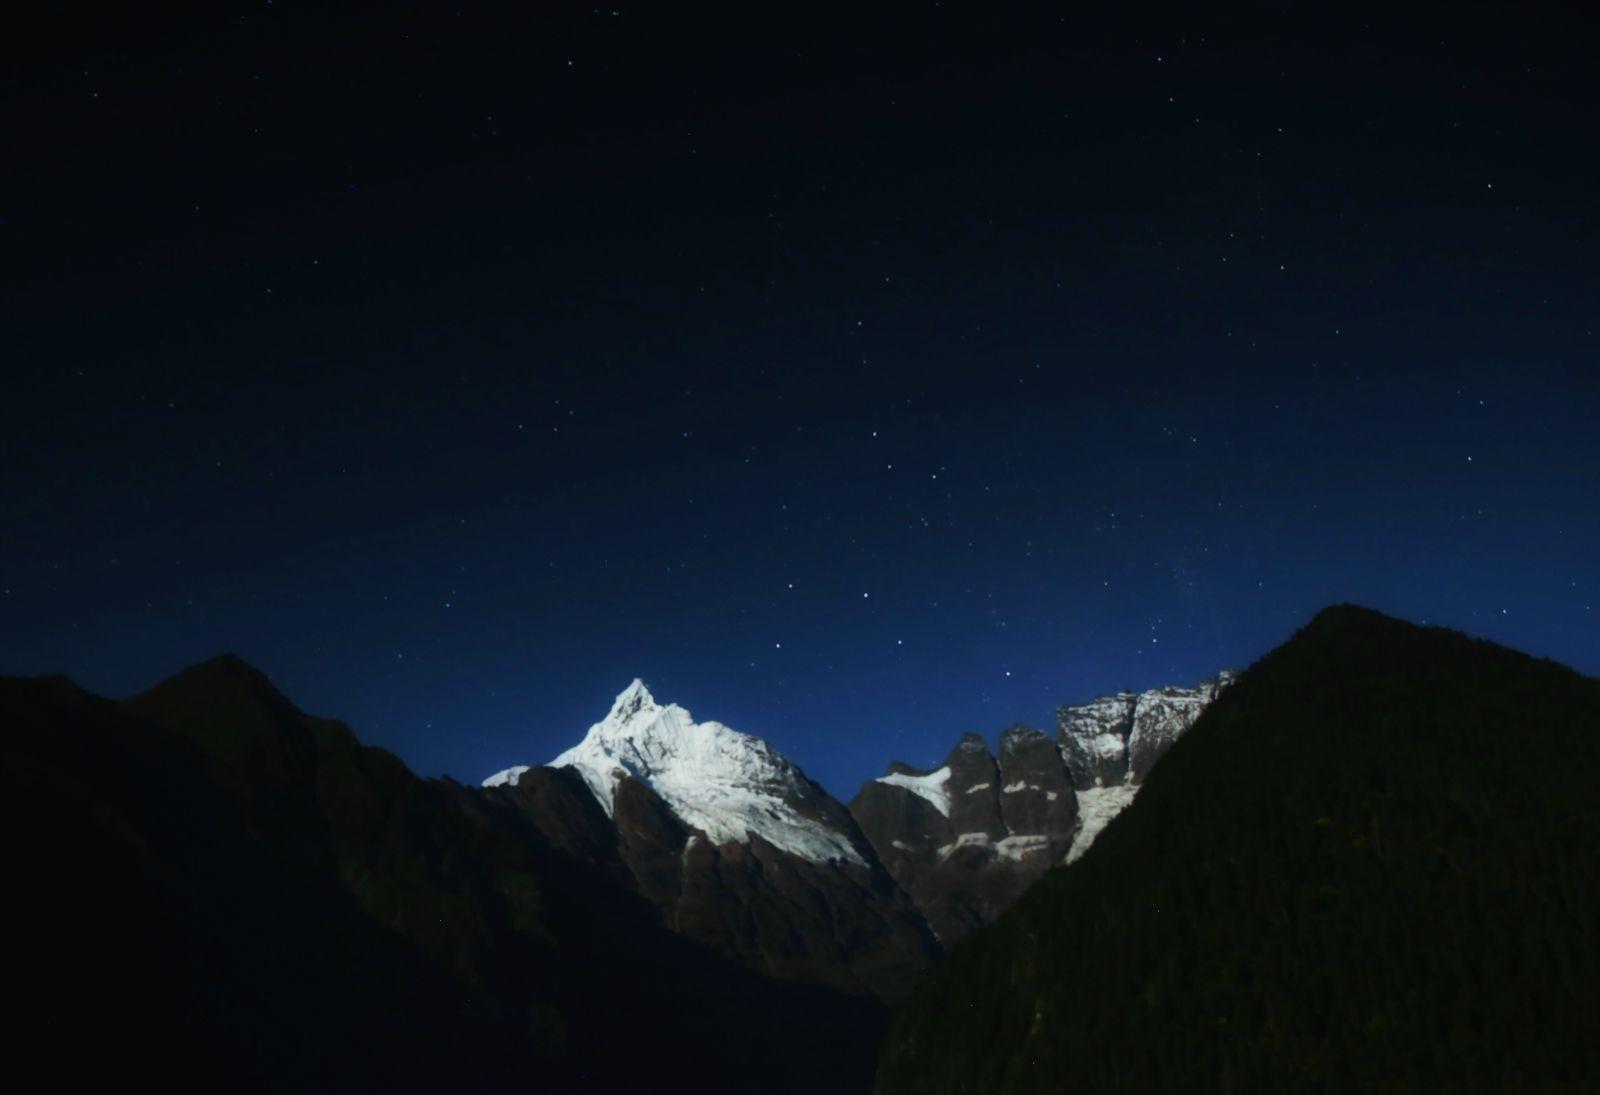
(855, 381)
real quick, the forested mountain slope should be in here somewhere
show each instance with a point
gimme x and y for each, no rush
(1373, 863)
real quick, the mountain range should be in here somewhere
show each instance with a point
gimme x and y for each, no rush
(712, 821)
(968, 838)
(207, 875)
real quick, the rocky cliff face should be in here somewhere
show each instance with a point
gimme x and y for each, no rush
(967, 838)
(740, 850)
(1115, 739)
(1112, 742)
(1036, 790)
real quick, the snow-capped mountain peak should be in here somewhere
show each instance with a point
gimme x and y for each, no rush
(633, 702)
(716, 779)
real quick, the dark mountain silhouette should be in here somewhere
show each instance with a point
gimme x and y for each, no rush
(209, 887)
(1372, 864)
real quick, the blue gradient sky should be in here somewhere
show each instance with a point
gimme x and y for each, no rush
(856, 392)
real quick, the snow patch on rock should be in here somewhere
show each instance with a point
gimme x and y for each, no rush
(508, 777)
(1019, 847)
(1096, 807)
(934, 787)
(965, 840)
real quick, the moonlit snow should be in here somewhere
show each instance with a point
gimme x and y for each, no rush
(508, 777)
(934, 786)
(730, 785)
(724, 783)
(1096, 807)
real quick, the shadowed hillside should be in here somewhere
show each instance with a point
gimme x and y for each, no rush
(209, 888)
(1373, 863)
